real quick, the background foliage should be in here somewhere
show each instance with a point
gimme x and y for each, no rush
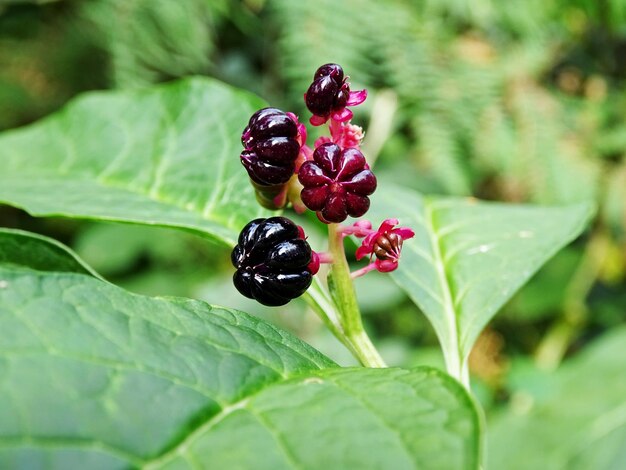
(509, 101)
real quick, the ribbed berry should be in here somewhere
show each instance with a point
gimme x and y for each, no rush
(272, 261)
(271, 147)
(328, 92)
(336, 183)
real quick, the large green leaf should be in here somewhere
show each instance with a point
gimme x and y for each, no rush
(27, 249)
(468, 258)
(577, 422)
(92, 376)
(165, 156)
(341, 418)
(90, 369)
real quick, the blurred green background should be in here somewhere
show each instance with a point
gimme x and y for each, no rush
(518, 101)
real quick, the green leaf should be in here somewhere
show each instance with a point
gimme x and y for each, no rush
(90, 366)
(468, 258)
(342, 418)
(164, 156)
(95, 376)
(579, 422)
(37, 252)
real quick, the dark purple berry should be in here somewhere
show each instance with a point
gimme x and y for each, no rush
(329, 91)
(320, 96)
(271, 147)
(265, 173)
(272, 261)
(336, 183)
(333, 70)
(341, 99)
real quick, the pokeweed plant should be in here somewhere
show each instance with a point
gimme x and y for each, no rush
(92, 376)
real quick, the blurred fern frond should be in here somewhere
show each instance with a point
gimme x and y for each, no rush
(470, 83)
(152, 40)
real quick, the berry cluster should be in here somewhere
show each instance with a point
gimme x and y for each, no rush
(274, 263)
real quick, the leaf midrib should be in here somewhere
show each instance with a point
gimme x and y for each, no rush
(451, 318)
(180, 448)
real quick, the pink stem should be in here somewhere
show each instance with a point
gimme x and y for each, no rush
(336, 132)
(325, 257)
(353, 230)
(363, 271)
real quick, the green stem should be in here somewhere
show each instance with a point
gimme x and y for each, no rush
(349, 315)
(364, 350)
(321, 304)
(360, 347)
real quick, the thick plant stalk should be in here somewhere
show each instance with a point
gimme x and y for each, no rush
(349, 315)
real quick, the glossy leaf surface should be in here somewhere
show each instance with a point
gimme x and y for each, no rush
(93, 376)
(469, 257)
(163, 156)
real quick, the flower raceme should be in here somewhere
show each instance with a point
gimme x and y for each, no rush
(275, 150)
(274, 262)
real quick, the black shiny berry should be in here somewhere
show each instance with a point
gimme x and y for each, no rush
(336, 183)
(271, 147)
(272, 261)
(329, 91)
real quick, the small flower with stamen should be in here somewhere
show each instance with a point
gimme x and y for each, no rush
(385, 244)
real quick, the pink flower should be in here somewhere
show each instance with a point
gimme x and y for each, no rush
(384, 243)
(344, 134)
